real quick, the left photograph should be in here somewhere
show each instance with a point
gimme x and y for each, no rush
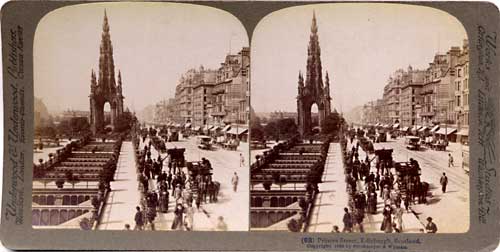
(141, 118)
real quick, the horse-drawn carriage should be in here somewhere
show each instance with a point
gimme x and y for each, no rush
(366, 144)
(159, 144)
(177, 156)
(408, 175)
(384, 159)
(173, 136)
(409, 182)
(200, 173)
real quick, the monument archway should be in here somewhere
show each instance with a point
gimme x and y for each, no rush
(103, 88)
(313, 91)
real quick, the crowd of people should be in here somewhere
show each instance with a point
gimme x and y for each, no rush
(394, 191)
(189, 188)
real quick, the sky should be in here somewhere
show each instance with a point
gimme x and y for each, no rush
(361, 46)
(153, 45)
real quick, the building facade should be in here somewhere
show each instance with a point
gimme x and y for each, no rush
(206, 97)
(438, 95)
(461, 94)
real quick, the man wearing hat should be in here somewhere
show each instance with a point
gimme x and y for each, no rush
(430, 227)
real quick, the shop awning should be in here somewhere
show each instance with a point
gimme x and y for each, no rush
(226, 128)
(444, 131)
(237, 130)
(463, 132)
(395, 126)
(404, 129)
(197, 128)
(188, 125)
(435, 128)
(424, 128)
(215, 128)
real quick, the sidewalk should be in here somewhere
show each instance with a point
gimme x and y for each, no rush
(329, 204)
(124, 196)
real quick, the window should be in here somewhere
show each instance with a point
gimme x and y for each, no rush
(466, 83)
(458, 101)
(459, 72)
(466, 99)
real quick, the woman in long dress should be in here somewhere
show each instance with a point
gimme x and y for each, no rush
(177, 224)
(387, 222)
(398, 217)
(189, 218)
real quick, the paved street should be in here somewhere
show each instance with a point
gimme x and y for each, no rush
(330, 202)
(233, 206)
(450, 211)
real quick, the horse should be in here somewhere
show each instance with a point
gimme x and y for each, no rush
(422, 190)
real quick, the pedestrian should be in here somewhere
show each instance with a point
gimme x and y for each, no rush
(178, 214)
(386, 193)
(335, 229)
(377, 180)
(169, 180)
(234, 181)
(189, 218)
(242, 160)
(127, 227)
(387, 221)
(221, 225)
(450, 160)
(444, 182)
(139, 219)
(430, 227)
(177, 193)
(347, 220)
(398, 218)
(407, 202)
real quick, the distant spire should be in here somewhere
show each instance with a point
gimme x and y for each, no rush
(106, 63)
(314, 78)
(327, 86)
(314, 26)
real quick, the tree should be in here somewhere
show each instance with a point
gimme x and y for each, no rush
(60, 183)
(332, 123)
(46, 131)
(281, 129)
(74, 126)
(125, 122)
(294, 225)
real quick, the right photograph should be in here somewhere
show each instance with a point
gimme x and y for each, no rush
(360, 120)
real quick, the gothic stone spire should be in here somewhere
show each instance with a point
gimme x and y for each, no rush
(314, 80)
(327, 86)
(106, 63)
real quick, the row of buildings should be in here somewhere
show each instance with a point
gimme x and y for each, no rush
(438, 95)
(215, 97)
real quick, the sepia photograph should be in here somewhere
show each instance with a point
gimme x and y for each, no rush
(360, 122)
(141, 114)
